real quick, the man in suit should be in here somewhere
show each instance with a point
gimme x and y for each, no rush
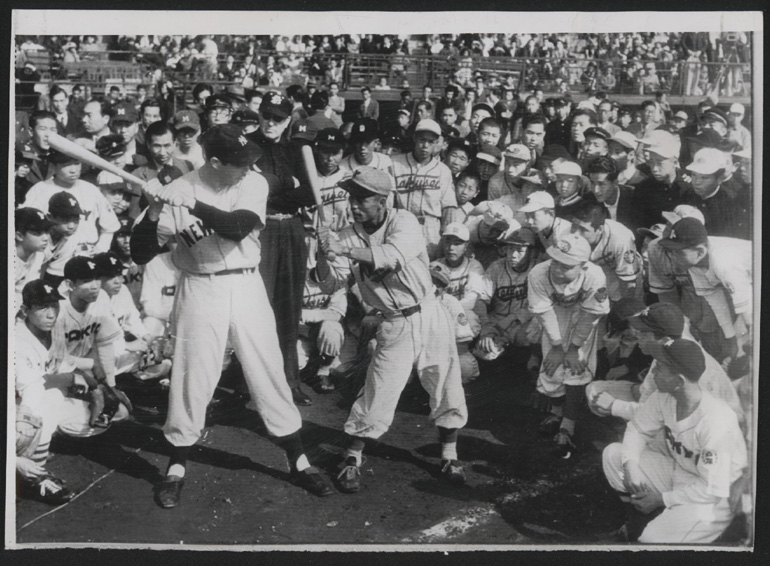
(369, 107)
(67, 122)
(603, 174)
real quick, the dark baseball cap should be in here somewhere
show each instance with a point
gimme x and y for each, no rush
(368, 181)
(461, 143)
(560, 103)
(187, 119)
(276, 104)
(227, 143)
(686, 233)
(711, 138)
(364, 130)
(126, 224)
(58, 158)
(108, 264)
(24, 151)
(714, 114)
(38, 293)
(665, 319)
(31, 220)
(218, 101)
(303, 130)
(598, 132)
(64, 205)
(124, 112)
(329, 139)
(111, 146)
(81, 267)
(169, 173)
(245, 116)
(683, 356)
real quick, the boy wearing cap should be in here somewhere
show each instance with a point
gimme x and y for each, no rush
(364, 137)
(613, 248)
(327, 153)
(509, 325)
(540, 216)
(718, 197)
(424, 185)
(568, 294)
(572, 187)
(214, 215)
(64, 213)
(465, 273)
(509, 181)
(596, 144)
(690, 488)
(114, 188)
(124, 123)
(100, 222)
(488, 159)
(218, 110)
(622, 149)
(736, 131)
(188, 130)
(32, 236)
(384, 249)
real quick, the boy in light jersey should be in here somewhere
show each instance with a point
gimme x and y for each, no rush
(32, 237)
(364, 138)
(466, 188)
(133, 276)
(65, 213)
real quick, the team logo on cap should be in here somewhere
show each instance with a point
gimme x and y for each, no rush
(91, 265)
(564, 246)
(242, 140)
(73, 202)
(667, 341)
(361, 128)
(121, 111)
(302, 128)
(114, 144)
(331, 137)
(40, 215)
(166, 179)
(48, 289)
(113, 261)
(276, 99)
(185, 118)
(645, 313)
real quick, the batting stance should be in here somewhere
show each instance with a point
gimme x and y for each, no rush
(385, 250)
(215, 215)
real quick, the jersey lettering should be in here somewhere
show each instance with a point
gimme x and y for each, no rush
(511, 292)
(135, 277)
(194, 233)
(675, 446)
(412, 183)
(78, 334)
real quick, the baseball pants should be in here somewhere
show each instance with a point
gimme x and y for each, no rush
(424, 341)
(692, 523)
(209, 309)
(283, 267)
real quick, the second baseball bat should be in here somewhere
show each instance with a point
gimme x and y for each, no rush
(315, 185)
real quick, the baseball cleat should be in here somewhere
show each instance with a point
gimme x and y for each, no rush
(169, 491)
(349, 478)
(564, 446)
(300, 397)
(451, 472)
(49, 489)
(311, 480)
(549, 425)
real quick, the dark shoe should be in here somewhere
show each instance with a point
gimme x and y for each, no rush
(564, 447)
(300, 397)
(169, 491)
(549, 425)
(349, 478)
(451, 472)
(49, 490)
(312, 481)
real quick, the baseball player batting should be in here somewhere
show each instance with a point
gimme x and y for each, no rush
(214, 215)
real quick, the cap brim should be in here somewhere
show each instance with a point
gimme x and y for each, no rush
(561, 257)
(250, 158)
(532, 208)
(703, 170)
(188, 126)
(357, 190)
(324, 146)
(647, 232)
(670, 217)
(672, 245)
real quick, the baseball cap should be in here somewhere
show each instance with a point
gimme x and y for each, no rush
(682, 115)
(168, 173)
(661, 318)
(218, 101)
(58, 158)
(521, 237)
(554, 151)
(368, 181)
(538, 201)
(187, 119)
(227, 143)
(536, 178)
(587, 104)
(560, 103)
(458, 230)
(712, 138)
(303, 130)
(64, 205)
(686, 233)
(463, 144)
(24, 151)
(564, 167)
(664, 144)
(715, 114)
(440, 273)
(81, 267)
(364, 130)
(570, 249)
(126, 224)
(108, 264)
(737, 108)
(656, 230)
(38, 292)
(329, 139)
(490, 153)
(124, 112)
(276, 104)
(597, 132)
(30, 219)
(517, 151)
(245, 116)
(483, 106)
(111, 146)
(428, 125)
(683, 356)
(627, 307)
(626, 139)
(683, 211)
(707, 161)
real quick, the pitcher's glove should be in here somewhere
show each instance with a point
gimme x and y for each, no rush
(105, 402)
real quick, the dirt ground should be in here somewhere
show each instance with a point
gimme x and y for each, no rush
(238, 489)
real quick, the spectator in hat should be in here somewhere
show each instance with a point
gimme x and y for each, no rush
(596, 144)
(336, 104)
(32, 238)
(678, 121)
(723, 204)
(68, 123)
(369, 107)
(602, 173)
(424, 185)
(558, 130)
(488, 159)
(651, 119)
(540, 217)
(218, 110)
(327, 153)
(550, 154)
(511, 182)
(622, 150)
(715, 119)
(188, 130)
(247, 119)
(365, 140)
(123, 122)
(736, 131)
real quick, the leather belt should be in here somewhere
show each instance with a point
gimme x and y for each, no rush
(280, 216)
(406, 313)
(235, 271)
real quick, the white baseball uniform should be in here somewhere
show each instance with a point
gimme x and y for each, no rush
(98, 222)
(158, 288)
(82, 332)
(318, 333)
(60, 253)
(505, 291)
(133, 277)
(379, 161)
(26, 271)
(705, 453)
(586, 294)
(219, 297)
(616, 254)
(129, 320)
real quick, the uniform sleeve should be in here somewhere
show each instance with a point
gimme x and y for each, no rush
(628, 263)
(733, 269)
(34, 198)
(403, 243)
(488, 284)
(475, 285)
(109, 328)
(596, 299)
(338, 302)
(108, 221)
(133, 321)
(539, 289)
(494, 188)
(647, 422)
(661, 277)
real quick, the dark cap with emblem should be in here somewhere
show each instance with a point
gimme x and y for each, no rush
(24, 152)
(187, 119)
(218, 101)
(714, 114)
(364, 130)
(124, 112)
(367, 182)
(683, 356)
(38, 293)
(169, 173)
(31, 220)
(462, 143)
(597, 132)
(245, 116)
(227, 143)
(64, 205)
(111, 146)
(81, 267)
(686, 233)
(126, 224)
(108, 264)
(277, 104)
(329, 139)
(303, 130)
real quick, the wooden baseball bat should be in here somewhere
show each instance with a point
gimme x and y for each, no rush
(315, 185)
(83, 155)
